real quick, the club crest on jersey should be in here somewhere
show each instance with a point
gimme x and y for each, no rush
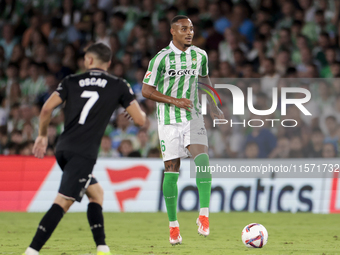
(182, 72)
(147, 75)
(194, 61)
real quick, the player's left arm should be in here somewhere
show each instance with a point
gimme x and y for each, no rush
(215, 112)
(40, 145)
(203, 74)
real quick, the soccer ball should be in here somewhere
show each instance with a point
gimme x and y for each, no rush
(254, 235)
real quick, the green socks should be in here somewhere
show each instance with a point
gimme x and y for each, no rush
(203, 180)
(170, 192)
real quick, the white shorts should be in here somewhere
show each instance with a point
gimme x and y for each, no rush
(174, 138)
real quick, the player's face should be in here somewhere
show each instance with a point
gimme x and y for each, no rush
(183, 32)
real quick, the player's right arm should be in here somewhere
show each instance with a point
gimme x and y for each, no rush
(150, 92)
(151, 79)
(40, 145)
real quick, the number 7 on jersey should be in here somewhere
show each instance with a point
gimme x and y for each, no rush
(93, 97)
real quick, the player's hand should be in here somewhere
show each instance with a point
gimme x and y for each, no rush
(184, 103)
(40, 145)
(216, 113)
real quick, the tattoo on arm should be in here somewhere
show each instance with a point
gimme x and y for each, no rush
(151, 94)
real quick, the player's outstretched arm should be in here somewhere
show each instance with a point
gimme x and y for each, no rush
(41, 142)
(151, 93)
(136, 113)
(215, 112)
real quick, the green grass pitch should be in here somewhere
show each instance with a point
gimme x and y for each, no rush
(147, 233)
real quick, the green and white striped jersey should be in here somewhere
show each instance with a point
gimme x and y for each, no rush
(175, 73)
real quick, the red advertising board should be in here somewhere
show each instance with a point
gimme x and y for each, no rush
(21, 178)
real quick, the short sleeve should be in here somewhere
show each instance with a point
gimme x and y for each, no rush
(154, 71)
(127, 95)
(204, 71)
(62, 89)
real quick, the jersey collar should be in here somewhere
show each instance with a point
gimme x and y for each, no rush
(178, 51)
(96, 69)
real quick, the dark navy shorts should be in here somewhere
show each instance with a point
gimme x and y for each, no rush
(77, 174)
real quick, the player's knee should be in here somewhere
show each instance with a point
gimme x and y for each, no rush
(96, 195)
(63, 202)
(172, 165)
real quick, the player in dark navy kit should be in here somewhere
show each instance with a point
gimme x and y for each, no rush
(90, 99)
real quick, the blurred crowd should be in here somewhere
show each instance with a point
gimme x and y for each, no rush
(269, 41)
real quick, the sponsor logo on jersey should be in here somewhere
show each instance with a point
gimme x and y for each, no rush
(93, 82)
(59, 86)
(182, 72)
(147, 75)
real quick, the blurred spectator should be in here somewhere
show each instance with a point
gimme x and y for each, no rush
(115, 45)
(287, 18)
(270, 77)
(296, 147)
(28, 132)
(325, 97)
(164, 37)
(131, 12)
(120, 26)
(137, 85)
(213, 38)
(282, 62)
(3, 112)
(220, 22)
(264, 139)
(308, 8)
(17, 54)
(284, 42)
(105, 149)
(33, 85)
(3, 139)
(282, 150)
(143, 144)
(314, 150)
(125, 148)
(241, 22)
(331, 56)
(70, 15)
(55, 66)
(16, 137)
(229, 45)
(101, 35)
(154, 153)
(35, 24)
(124, 130)
(332, 135)
(8, 41)
(69, 58)
(316, 25)
(328, 150)
(251, 150)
